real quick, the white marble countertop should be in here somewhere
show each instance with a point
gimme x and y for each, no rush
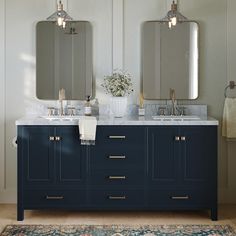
(132, 120)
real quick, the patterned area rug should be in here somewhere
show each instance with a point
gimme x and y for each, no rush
(84, 230)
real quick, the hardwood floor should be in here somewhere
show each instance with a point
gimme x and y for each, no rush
(227, 215)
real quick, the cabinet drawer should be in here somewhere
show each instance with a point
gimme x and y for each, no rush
(54, 198)
(178, 199)
(116, 198)
(120, 135)
(117, 177)
(116, 158)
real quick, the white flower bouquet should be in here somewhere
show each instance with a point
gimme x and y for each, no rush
(119, 84)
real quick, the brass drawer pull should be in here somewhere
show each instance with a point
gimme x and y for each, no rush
(117, 157)
(116, 177)
(177, 138)
(117, 137)
(183, 138)
(180, 198)
(51, 138)
(54, 197)
(58, 138)
(117, 197)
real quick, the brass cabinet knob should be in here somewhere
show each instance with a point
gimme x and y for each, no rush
(177, 138)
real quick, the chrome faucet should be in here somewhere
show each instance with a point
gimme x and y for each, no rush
(173, 103)
(62, 97)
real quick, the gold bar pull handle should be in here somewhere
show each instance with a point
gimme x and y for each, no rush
(180, 197)
(54, 197)
(116, 197)
(117, 137)
(116, 177)
(177, 138)
(51, 138)
(117, 157)
(183, 138)
(58, 138)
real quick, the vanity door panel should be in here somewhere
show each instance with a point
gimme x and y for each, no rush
(38, 155)
(70, 156)
(198, 155)
(163, 156)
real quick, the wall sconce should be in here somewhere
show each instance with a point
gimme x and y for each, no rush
(173, 16)
(60, 16)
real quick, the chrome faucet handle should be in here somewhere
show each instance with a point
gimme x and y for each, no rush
(162, 111)
(71, 111)
(51, 111)
(182, 111)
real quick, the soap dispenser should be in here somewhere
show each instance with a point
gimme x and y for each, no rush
(95, 107)
(87, 107)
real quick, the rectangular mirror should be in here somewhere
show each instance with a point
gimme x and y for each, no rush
(64, 59)
(170, 60)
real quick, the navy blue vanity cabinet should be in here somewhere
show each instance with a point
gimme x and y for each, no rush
(129, 168)
(117, 168)
(183, 168)
(51, 168)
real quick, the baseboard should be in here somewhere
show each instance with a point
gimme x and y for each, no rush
(8, 196)
(227, 196)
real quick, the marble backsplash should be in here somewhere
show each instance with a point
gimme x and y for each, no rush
(152, 108)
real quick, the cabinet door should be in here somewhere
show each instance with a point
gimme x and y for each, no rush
(163, 156)
(198, 154)
(38, 155)
(70, 156)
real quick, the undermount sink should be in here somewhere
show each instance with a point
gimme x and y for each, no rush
(176, 118)
(61, 118)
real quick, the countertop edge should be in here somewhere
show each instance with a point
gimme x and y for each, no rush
(126, 121)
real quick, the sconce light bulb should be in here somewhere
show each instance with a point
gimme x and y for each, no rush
(60, 21)
(64, 24)
(174, 21)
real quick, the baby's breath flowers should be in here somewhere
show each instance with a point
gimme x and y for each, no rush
(118, 84)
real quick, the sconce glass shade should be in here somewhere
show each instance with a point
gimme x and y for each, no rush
(173, 16)
(60, 16)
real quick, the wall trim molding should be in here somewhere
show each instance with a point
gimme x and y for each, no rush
(8, 196)
(117, 34)
(2, 94)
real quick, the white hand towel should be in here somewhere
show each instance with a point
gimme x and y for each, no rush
(87, 129)
(229, 118)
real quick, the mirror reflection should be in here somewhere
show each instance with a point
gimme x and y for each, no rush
(64, 60)
(170, 60)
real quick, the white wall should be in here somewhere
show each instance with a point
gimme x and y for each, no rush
(117, 25)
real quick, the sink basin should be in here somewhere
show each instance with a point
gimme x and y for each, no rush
(175, 118)
(61, 118)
